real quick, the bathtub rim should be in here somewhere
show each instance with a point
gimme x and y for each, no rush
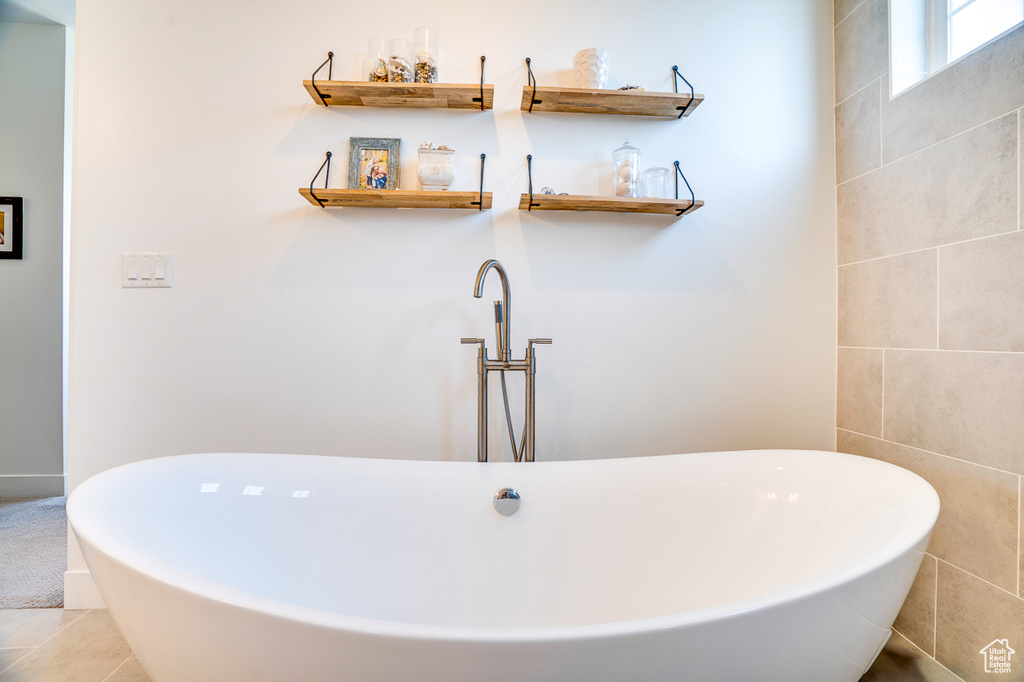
(155, 568)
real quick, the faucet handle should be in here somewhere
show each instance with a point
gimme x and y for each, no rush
(471, 341)
(546, 341)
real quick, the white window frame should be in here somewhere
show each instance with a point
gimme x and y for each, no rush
(937, 40)
(919, 33)
(937, 37)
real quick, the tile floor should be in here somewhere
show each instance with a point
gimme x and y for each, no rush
(54, 645)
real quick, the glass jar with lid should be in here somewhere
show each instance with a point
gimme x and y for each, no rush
(653, 183)
(625, 170)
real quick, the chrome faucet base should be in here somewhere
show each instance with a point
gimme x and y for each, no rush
(503, 364)
(526, 365)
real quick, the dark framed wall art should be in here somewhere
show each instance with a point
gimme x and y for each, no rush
(10, 228)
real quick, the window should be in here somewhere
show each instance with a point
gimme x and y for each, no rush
(926, 35)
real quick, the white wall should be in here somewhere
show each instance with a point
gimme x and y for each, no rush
(295, 329)
(32, 61)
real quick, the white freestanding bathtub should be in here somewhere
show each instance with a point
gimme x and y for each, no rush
(741, 566)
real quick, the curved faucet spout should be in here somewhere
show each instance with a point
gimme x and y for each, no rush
(502, 317)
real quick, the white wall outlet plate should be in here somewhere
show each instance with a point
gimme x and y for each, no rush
(149, 270)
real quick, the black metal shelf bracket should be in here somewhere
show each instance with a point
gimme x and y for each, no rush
(693, 199)
(480, 99)
(531, 80)
(329, 63)
(675, 88)
(480, 203)
(529, 172)
(327, 179)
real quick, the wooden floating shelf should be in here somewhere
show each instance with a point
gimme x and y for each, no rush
(576, 202)
(409, 95)
(624, 102)
(395, 198)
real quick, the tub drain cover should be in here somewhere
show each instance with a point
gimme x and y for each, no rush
(506, 501)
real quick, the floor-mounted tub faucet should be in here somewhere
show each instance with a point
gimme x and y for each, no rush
(501, 308)
(525, 450)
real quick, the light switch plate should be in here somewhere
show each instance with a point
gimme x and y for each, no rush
(146, 270)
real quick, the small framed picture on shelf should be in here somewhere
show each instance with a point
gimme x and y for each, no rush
(374, 162)
(10, 227)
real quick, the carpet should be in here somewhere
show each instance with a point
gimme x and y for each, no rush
(33, 552)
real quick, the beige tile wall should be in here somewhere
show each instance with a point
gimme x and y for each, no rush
(858, 133)
(931, 317)
(889, 302)
(961, 188)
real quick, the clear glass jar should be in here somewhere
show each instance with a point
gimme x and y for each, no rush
(375, 66)
(425, 50)
(654, 183)
(400, 61)
(625, 170)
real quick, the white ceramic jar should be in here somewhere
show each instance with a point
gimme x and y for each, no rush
(436, 169)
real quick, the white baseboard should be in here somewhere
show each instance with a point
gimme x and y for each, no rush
(31, 486)
(80, 591)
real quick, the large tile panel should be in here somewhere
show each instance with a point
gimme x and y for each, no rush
(962, 188)
(842, 8)
(858, 134)
(130, 671)
(90, 648)
(32, 627)
(963, 404)
(861, 47)
(916, 620)
(10, 656)
(971, 615)
(889, 302)
(981, 294)
(859, 398)
(977, 526)
(978, 88)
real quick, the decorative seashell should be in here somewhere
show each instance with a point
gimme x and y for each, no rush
(591, 67)
(379, 72)
(399, 69)
(426, 145)
(546, 190)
